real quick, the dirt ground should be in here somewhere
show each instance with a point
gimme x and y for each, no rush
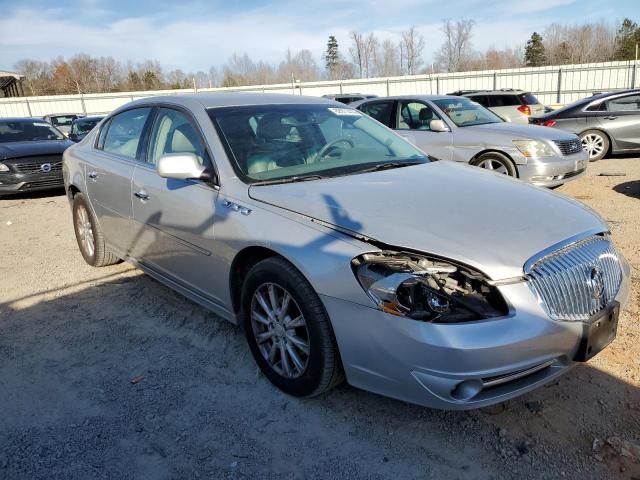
(105, 373)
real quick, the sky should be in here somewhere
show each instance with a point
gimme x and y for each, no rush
(196, 34)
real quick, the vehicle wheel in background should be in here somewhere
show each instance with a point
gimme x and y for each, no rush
(595, 143)
(288, 330)
(497, 162)
(89, 236)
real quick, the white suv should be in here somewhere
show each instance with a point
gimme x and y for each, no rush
(512, 105)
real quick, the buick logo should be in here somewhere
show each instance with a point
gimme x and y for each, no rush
(45, 167)
(596, 281)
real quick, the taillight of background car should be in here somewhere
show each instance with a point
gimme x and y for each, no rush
(524, 109)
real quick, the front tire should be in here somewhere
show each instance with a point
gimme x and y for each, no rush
(288, 330)
(496, 162)
(595, 143)
(89, 235)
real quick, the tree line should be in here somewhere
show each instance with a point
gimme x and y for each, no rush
(364, 56)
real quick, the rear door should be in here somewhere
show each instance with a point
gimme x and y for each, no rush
(108, 173)
(621, 119)
(379, 110)
(175, 218)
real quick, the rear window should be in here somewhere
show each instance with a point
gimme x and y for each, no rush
(503, 100)
(529, 99)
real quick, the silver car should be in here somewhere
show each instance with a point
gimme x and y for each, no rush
(344, 251)
(456, 128)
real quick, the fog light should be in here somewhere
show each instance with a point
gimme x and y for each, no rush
(467, 390)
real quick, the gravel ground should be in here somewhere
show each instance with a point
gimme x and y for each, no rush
(104, 373)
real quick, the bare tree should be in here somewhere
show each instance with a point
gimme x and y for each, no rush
(386, 61)
(37, 76)
(456, 52)
(579, 43)
(411, 47)
(362, 51)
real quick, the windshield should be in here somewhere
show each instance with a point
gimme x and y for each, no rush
(63, 120)
(276, 142)
(80, 127)
(465, 113)
(27, 131)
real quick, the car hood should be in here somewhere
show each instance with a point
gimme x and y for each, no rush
(24, 149)
(480, 218)
(522, 131)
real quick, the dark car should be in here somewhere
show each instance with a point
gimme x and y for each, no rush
(62, 121)
(30, 155)
(81, 126)
(606, 122)
(348, 98)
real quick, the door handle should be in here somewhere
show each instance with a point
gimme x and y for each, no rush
(142, 195)
(93, 175)
(610, 117)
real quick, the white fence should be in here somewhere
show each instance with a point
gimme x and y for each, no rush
(552, 85)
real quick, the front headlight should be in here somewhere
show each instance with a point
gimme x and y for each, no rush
(427, 289)
(534, 148)
(3, 167)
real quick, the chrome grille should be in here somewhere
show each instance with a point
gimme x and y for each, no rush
(569, 147)
(578, 280)
(36, 167)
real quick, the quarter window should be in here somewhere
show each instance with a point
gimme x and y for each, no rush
(124, 132)
(381, 111)
(173, 132)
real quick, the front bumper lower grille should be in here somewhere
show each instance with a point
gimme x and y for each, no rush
(579, 280)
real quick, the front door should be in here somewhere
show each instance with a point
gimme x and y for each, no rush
(413, 121)
(175, 218)
(108, 173)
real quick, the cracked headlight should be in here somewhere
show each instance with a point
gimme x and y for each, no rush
(534, 148)
(427, 289)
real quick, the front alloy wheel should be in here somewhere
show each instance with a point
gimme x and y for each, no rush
(595, 143)
(496, 162)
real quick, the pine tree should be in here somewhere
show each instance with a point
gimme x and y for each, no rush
(332, 57)
(627, 37)
(534, 55)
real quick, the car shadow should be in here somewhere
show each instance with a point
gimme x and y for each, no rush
(126, 378)
(630, 189)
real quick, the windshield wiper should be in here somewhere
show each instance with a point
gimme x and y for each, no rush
(297, 178)
(389, 165)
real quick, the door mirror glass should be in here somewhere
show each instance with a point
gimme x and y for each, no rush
(438, 126)
(181, 166)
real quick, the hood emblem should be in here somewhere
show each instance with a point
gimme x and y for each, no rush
(596, 281)
(45, 167)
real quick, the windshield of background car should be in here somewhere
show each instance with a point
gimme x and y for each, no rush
(27, 132)
(466, 113)
(63, 121)
(282, 141)
(84, 126)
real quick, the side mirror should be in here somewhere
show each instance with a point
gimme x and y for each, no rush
(182, 166)
(438, 126)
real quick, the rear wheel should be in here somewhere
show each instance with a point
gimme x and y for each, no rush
(89, 235)
(595, 143)
(288, 330)
(496, 162)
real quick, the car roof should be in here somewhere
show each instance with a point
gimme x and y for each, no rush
(89, 119)
(495, 92)
(410, 97)
(234, 99)
(21, 119)
(64, 115)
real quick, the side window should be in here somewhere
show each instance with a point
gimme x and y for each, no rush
(481, 99)
(173, 132)
(630, 103)
(381, 111)
(504, 100)
(124, 132)
(415, 116)
(103, 133)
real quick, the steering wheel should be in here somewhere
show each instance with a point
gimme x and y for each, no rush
(324, 150)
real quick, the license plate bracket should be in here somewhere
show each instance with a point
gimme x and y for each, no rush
(598, 333)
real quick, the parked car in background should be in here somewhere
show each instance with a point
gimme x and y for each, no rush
(344, 250)
(515, 106)
(348, 98)
(81, 126)
(61, 121)
(30, 155)
(457, 128)
(606, 122)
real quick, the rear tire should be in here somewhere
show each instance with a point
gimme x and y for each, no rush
(496, 162)
(89, 235)
(293, 345)
(595, 143)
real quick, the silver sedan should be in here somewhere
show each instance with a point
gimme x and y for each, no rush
(456, 128)
(344, 251)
